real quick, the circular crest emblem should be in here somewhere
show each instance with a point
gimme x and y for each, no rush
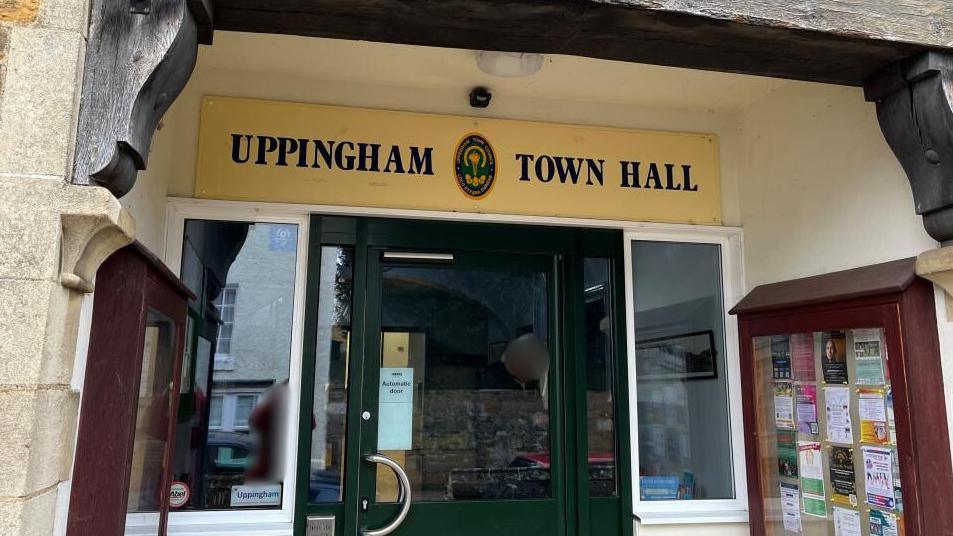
(179, 494)
(474, 166)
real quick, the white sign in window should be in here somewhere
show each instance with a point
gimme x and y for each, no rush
(396, 409)
(256, 495)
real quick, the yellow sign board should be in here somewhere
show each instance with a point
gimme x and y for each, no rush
(254, 150)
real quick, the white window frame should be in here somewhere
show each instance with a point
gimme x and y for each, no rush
(734, 510)
(272, 522)
(227, 358)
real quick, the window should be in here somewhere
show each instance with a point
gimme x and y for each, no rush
(243, 407)
(686, 414)
(226, 308)
(225, 303)
(215, 413)
(600, 362)
(231, 411)
(237, 412)
(328, 437)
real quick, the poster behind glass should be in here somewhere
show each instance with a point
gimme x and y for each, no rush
(828, 443)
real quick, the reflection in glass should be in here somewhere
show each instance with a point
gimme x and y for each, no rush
(147, 464)
(475, 345)
(600, 363)
(330, 374)
(233, 418)
(684, 435)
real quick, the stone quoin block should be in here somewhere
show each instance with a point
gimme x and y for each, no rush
(38, 109)
(29, 515)
(65, 15)
(36, 447)
(36, 344)
(19, 11)
(29, 228)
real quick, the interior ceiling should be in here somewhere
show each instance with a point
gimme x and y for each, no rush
(561, 77)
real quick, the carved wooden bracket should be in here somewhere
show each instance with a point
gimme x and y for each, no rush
(139, 57)
(915, 108)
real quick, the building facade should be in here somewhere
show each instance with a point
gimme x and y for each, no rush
(499, 247)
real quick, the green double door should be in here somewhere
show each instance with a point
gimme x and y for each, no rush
(462, 379)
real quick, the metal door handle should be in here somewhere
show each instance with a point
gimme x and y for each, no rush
(403, 484)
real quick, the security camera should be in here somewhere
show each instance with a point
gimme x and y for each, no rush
(480, 97)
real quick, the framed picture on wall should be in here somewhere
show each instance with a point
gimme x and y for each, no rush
(689, 356)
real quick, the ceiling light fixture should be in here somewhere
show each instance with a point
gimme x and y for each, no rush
(509, 64)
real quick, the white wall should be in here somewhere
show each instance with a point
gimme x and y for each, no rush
(805, 169)
(147, 199)
(820, 189)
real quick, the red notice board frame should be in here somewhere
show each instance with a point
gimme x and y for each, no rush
(128, 284)
(889, 296)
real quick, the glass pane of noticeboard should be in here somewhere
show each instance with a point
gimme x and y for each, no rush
(147, 468)
(829, 463)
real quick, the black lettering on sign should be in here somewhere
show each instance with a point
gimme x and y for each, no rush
(421, 162)
(237, 148)
(373, 157)
(548, 176)
(343, 156)
(593, 170)
(302, 152)
(630, 174)
(266, 144)
(368, 155)
(670, 178)
(394, 162)
(524, 159)
(286, 146)
(324, 150)
(687, 178)
(568, 168)
(653, 177)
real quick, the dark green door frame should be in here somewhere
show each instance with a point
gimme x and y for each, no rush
(566, 248)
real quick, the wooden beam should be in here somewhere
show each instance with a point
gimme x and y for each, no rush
(915, 108)
(625, 30)
(138, 59)
(204, 14)
(921, 22)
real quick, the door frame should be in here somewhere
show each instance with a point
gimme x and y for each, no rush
(568, 246)
(178, 209)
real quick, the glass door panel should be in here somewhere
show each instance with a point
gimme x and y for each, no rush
(600, 377)
(464, 363)
(465, 393)
(333, 349)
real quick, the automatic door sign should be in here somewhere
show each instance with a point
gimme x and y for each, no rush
(395, 419)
